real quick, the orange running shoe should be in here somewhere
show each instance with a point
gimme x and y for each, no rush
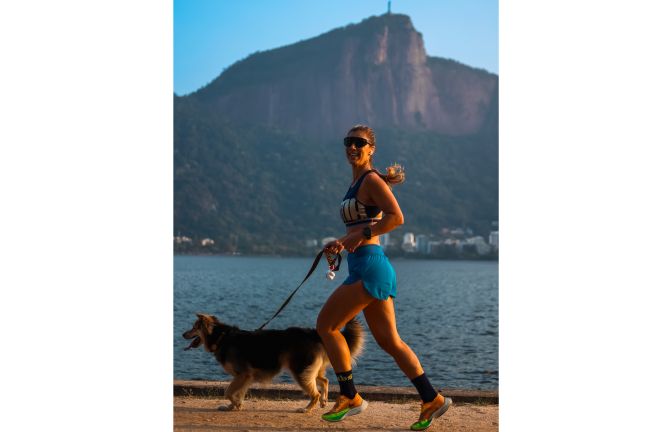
(431, 410)
(344, 407)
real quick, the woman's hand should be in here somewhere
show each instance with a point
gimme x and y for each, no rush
(333, 247)
(352, 240)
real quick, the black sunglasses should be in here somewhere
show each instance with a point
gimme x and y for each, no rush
(358, 141)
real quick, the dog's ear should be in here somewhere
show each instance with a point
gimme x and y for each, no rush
(207, 322)
(208, 318)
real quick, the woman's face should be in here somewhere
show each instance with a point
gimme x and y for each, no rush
(359, 156)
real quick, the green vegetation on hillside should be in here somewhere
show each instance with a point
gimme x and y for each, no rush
(257, 189)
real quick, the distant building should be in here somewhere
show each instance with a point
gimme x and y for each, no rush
(457, 232)
(409, 244)
(206, 242)
(493, 239)
(480, 244)
(453, 243)
(384, 240)
(433, 247)
(421, 243)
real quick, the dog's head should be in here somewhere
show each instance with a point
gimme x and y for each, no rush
(201, 329)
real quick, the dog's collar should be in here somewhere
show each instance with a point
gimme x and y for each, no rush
(219, 338)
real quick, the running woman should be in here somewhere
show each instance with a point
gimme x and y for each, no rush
(368, 210)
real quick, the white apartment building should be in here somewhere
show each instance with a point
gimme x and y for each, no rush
(493, 239)
(384, 240)
(480, 244)
(409, 243)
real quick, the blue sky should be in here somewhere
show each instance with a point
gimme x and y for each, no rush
(210, 35)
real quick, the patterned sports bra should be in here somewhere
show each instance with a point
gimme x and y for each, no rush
(354, 212)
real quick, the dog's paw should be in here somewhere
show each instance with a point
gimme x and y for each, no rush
(308, 408)
(323, 402)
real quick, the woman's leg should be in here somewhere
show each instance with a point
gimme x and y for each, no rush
(381, 319)
(345, 303)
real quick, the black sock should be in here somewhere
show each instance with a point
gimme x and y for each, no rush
(345, 379)
(425, 389)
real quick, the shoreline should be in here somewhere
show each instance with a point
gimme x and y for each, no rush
(216, 389)
(391, 256)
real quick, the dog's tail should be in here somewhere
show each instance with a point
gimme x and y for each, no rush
(354, 335)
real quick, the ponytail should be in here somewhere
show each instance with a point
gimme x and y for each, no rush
(395, 174)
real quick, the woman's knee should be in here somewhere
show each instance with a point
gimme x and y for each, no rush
(391, 345)
(324, 327)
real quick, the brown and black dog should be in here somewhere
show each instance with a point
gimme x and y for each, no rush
(258, 356)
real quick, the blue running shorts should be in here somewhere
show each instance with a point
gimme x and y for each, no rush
(370, 265)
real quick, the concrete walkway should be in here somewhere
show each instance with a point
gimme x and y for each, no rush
(273, 408)
(216, 389)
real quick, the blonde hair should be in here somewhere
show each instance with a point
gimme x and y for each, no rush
(395, 173)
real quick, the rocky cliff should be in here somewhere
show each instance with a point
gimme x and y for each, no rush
(375, 72)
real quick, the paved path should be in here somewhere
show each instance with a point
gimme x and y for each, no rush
(271, 415)
(216, 389)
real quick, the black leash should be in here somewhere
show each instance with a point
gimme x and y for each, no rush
(334, 267)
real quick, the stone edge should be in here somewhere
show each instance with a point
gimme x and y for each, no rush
(216, 389)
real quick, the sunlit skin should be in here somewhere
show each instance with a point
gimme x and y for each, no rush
(349, 300)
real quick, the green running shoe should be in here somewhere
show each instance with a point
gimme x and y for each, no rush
(430, 411)
(344, 407)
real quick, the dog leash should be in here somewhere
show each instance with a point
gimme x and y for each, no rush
(333, 266)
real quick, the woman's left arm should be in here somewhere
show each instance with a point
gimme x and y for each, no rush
(381, 194)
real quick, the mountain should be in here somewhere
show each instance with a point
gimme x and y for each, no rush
(258, 158)
(375, 72)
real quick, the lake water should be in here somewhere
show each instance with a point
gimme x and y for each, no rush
(447, 311)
